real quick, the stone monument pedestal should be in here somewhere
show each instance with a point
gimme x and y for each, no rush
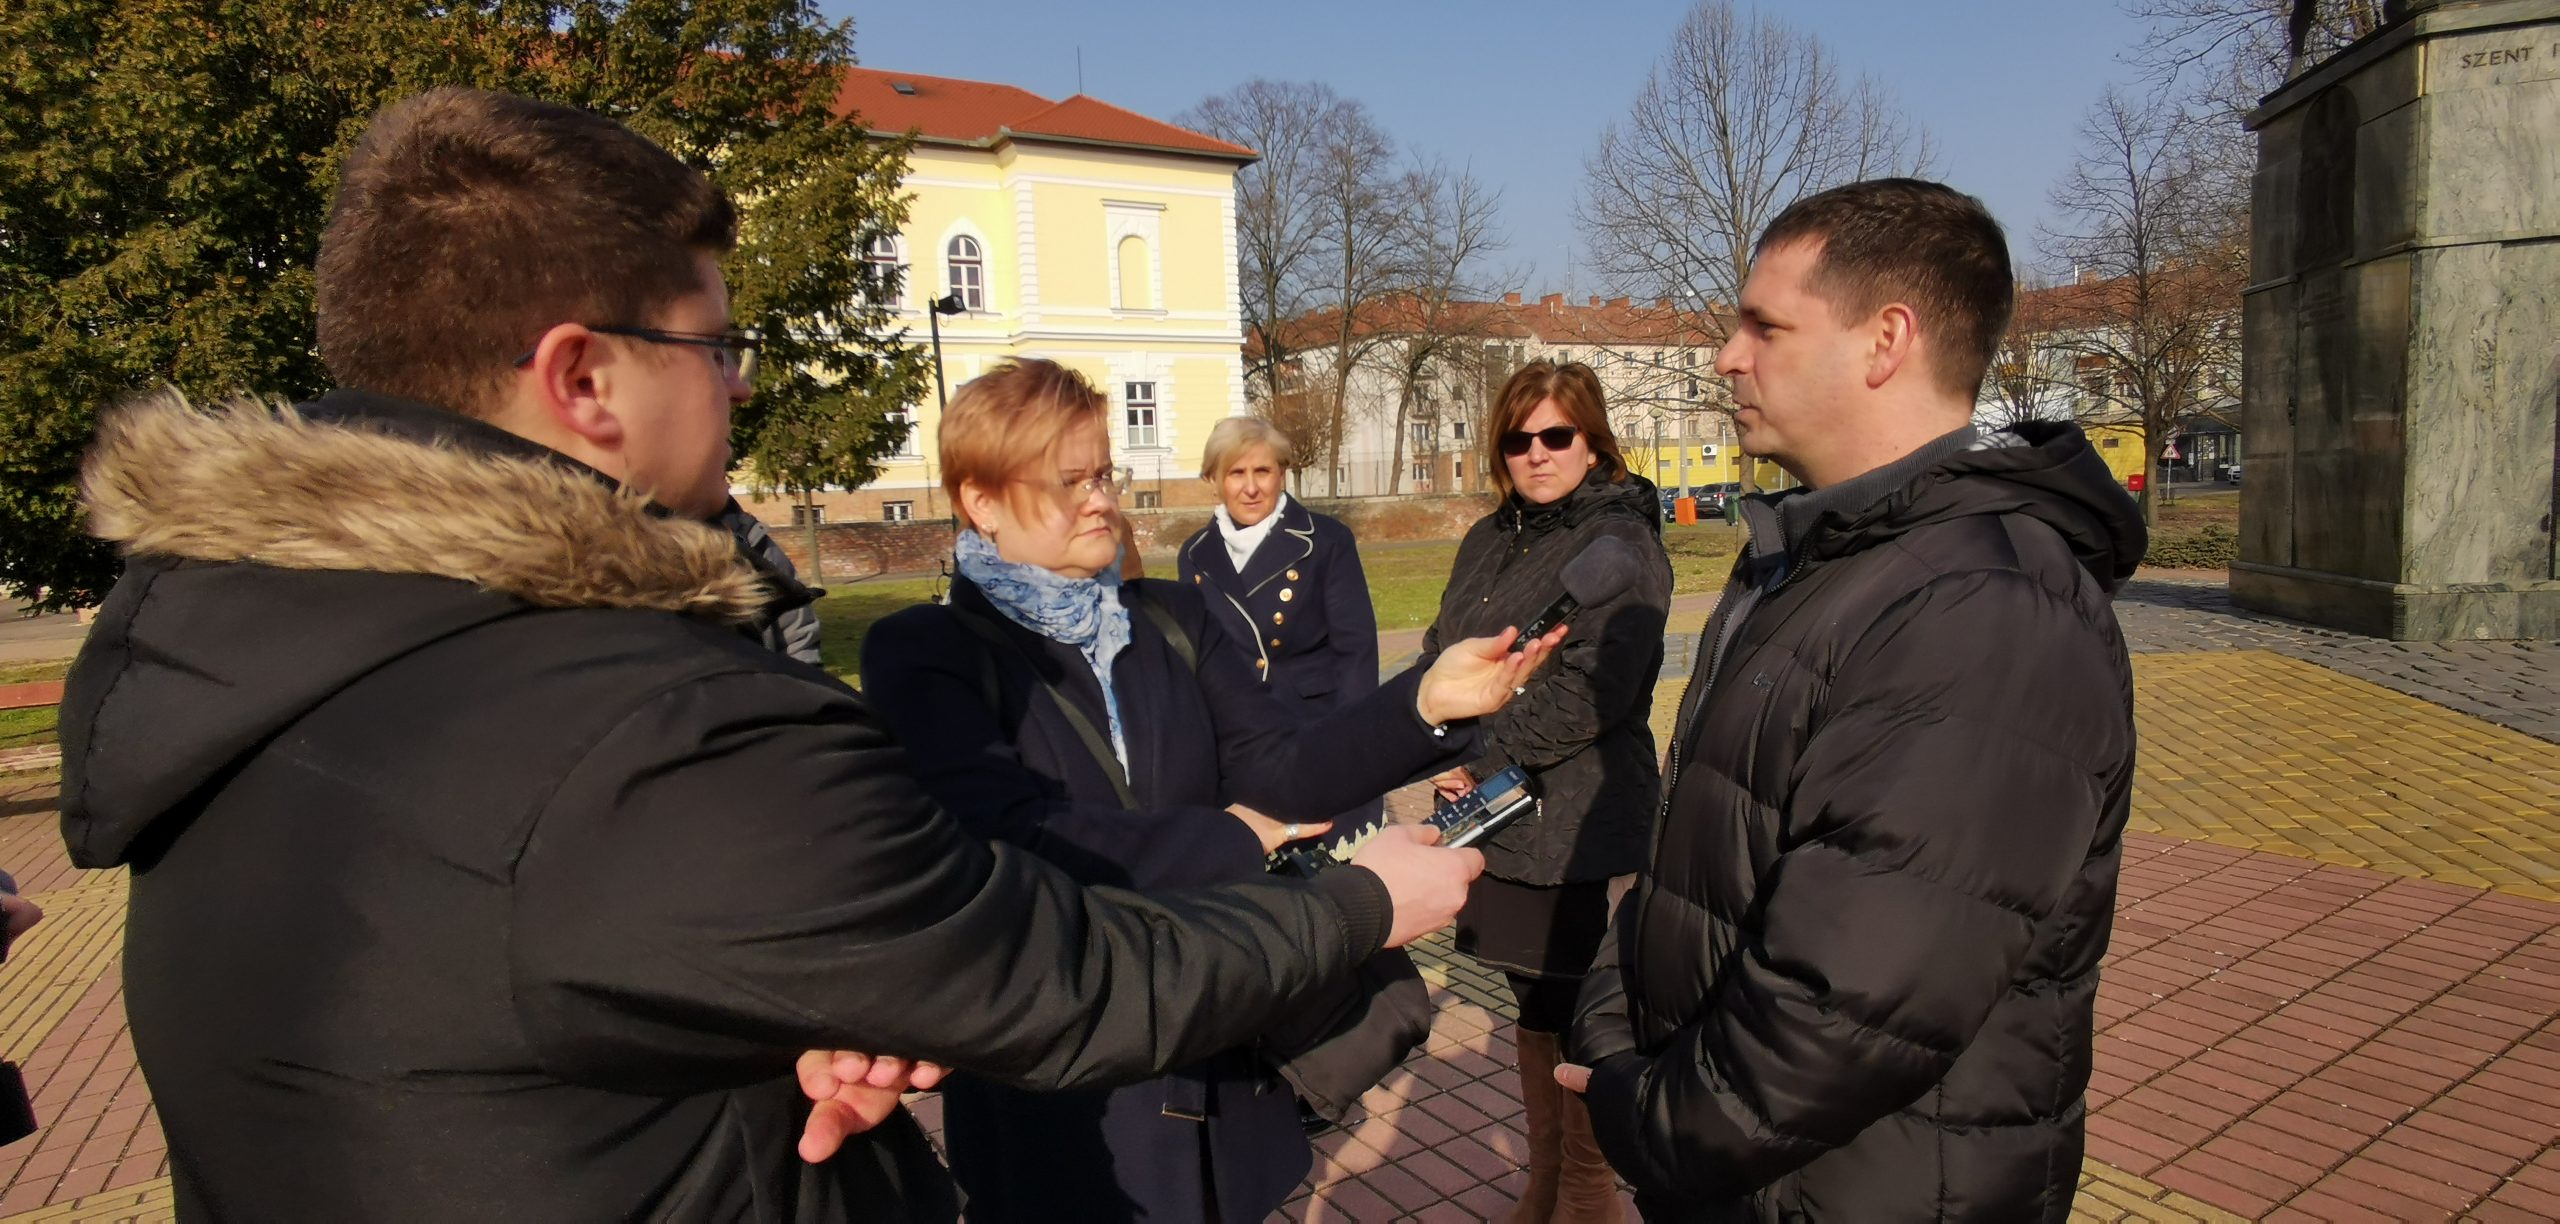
(2402, 373)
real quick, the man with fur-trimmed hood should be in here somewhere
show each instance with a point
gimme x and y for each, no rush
(482, 867)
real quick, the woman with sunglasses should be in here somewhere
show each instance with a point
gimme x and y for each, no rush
(1579, 728)
(1106, 726)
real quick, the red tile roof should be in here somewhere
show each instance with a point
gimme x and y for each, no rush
(1550, 320)
(983, 113)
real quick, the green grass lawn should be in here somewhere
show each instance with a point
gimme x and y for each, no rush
(22, 728)
(2197, 509)
(29, 673)
(25, 728)
(1405, 581)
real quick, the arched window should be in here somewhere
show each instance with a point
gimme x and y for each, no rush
(886, 259)
(1137, 279)
(967, 265)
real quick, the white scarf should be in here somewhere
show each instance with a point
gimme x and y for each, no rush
(1242, 541)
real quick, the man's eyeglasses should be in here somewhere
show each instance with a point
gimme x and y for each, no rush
(1515, 443)
(735, 353)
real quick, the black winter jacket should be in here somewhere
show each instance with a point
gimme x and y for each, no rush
(484, 869)
(1582, 727)
(1856, 981)
(1198, 738)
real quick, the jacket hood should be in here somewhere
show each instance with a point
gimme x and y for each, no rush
(2045, 470)
(275, 554)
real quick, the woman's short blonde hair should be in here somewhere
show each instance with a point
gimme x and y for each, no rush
(1232, 437)
(1006, 420)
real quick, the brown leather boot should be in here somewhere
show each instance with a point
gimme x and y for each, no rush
(1586, 1187)
(1545, 1101)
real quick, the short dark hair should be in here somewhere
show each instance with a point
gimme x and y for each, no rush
(1577, 392)
(467, 223)
(1927, 245)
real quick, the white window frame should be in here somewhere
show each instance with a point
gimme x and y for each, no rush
(1140, 433)
(912, 446)
(897, 512)
(889, 251)
(972, 289)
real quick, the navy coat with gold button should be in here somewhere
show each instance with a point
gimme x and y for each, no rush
(1300, 611)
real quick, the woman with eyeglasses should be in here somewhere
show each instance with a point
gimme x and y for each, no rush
(1106, 726)
(1580, 729)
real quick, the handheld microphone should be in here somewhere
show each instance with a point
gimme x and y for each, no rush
(1606, 567)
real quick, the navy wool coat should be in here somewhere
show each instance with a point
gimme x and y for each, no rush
(1298, 614)
(1017, 771)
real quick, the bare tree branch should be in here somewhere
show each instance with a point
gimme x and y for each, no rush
(1277, 226)
(2147, 217)
(1741, 117)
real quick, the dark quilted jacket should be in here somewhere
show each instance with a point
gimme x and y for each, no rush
(1857, 981)
(1580, 727)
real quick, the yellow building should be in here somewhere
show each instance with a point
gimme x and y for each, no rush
(1072, 230)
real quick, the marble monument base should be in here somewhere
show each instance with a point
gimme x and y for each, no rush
(2400, 611)
(2401, 357)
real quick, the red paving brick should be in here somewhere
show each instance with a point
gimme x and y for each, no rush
(2278, 1038)
(2385, 1050)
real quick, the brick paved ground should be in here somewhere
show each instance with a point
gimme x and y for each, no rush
(2513, 684)
(2331, 995)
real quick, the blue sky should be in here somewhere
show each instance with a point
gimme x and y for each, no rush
(1519, 92)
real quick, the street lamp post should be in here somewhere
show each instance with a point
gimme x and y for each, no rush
(947, 304)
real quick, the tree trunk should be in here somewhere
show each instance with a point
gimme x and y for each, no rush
(1395, 447)
(809, 517)
(1335, 419)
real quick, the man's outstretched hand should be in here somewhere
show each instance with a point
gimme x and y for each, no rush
(1425, 883)
(851, 1093)
(1475, 677)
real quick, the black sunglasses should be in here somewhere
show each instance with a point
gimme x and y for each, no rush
(1515, 443)
(734, 352)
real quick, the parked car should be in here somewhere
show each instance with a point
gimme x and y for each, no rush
(2232, 472)
(1712, 499)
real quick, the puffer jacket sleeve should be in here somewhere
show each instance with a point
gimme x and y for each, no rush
(743, 869)
(1600, 674)
(1950, 789)
(925, 675)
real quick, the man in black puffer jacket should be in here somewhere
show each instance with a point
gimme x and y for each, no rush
(483, 866)
(1856, 980)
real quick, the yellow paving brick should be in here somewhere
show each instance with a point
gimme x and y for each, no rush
(2308, 762)
(2110, 1193)
(152, 1200)
(50, 967)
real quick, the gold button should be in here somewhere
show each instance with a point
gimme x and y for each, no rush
(1275, 641)
(1286, 594)
(1275, 619)
(1195, 580)
(1293, 575)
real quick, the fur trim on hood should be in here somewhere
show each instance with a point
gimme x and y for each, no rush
(256, 482)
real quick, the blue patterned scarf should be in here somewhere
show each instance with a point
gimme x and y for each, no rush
(1085, 613)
